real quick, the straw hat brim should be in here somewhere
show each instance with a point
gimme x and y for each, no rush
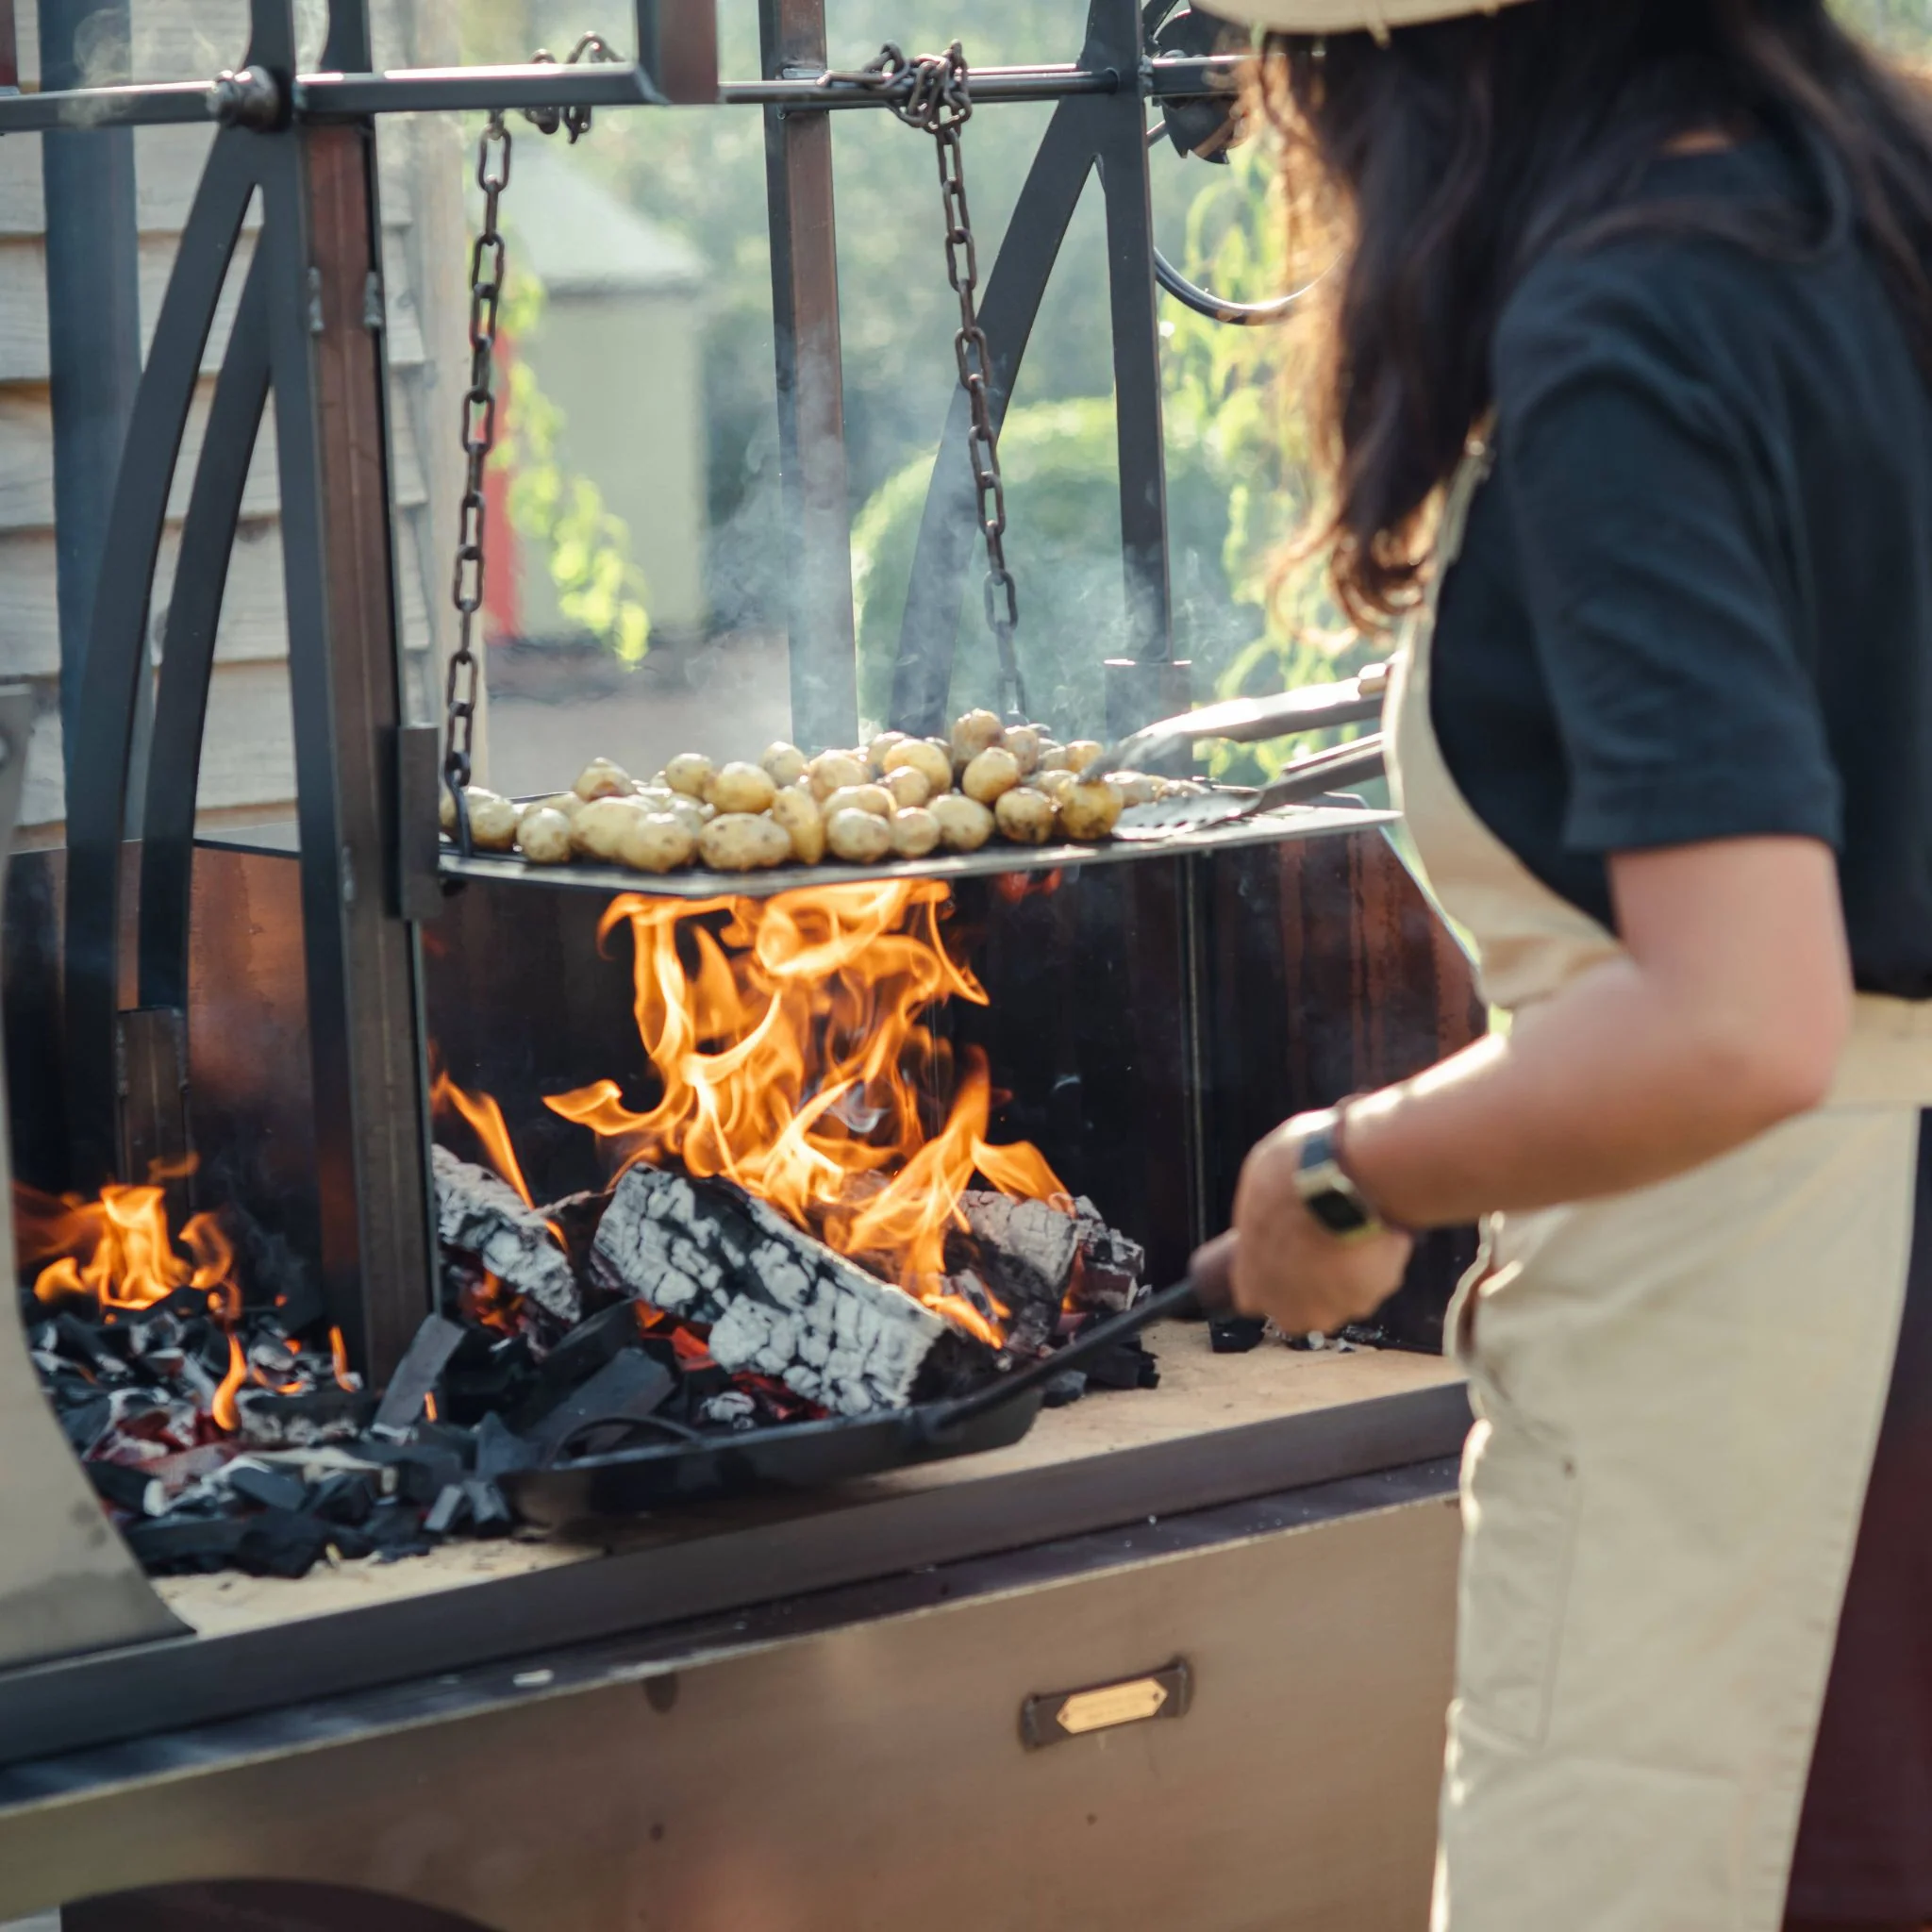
(1347, 16)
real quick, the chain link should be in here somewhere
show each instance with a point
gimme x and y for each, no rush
(933, 93)
(489, 265)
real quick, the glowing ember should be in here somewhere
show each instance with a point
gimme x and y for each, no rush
(794, 1049)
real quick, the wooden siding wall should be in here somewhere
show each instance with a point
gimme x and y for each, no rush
(247, 766)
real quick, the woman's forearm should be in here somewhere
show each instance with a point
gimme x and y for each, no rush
(1725, 1017)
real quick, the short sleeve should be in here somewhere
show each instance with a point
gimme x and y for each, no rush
(1646, 526)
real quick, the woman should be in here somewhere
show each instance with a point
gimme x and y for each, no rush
(1631, 333)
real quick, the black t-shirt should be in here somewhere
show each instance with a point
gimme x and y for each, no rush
(1695, 596)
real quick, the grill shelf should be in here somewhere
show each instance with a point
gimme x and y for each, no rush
(1290, 822)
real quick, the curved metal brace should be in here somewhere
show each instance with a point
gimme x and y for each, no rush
(1218, 308)
(188, 652)
(117, 649)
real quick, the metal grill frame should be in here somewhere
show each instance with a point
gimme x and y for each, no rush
(309, 330)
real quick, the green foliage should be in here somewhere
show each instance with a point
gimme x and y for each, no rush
(587, 545)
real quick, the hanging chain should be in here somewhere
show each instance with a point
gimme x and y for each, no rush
(933, 93)
(488, 267)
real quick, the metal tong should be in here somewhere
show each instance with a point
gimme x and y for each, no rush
(1248, 720)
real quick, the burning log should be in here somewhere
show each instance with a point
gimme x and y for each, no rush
(1038, 1258)
(777, 1302)
(478, 1214)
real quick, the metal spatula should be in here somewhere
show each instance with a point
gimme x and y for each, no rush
(1308, 778)
(1249, 720)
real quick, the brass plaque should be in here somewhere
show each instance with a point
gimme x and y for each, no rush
(1053, 1718)
(1118, 1704)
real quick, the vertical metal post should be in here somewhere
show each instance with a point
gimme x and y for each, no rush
(93, 324)
(1148, 684)
(363, 968)
(811, 386)
(10, 51)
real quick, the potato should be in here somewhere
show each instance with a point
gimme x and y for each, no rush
(543, 836)
(656, 841)
(597, 831)
(977, 731)
(1025, 741)
(691, 813)
(992, 772)
(875, 752)
(784, 763)
(741, 787)
(1056, 784)
(1090, 810)
(798, 812)
(910, 789)
(832, 771)
(1137, 788)
(446, 810)
(600, 779)
(862, 836)
(568, 802)
(1053, 757)
(493, 821)
(657, 797)
(1081, 754)
(965, 825)
(1026, 816)
(873, 798)
(915, 832)
(743, 841)
(933, 763)
(690, 773)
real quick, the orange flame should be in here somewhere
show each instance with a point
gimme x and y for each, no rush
(223, 1407)
(487, 1121)
(118, 1248)
(791, 1042)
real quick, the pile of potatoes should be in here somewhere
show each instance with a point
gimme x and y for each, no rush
(900, 797)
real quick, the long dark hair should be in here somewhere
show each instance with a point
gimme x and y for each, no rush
(1450, 156)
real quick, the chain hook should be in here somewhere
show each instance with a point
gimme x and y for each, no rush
(489, 272)
(934, 94)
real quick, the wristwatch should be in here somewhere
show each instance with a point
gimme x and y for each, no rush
(1327, 1191)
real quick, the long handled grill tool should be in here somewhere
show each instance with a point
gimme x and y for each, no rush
(809, 1456)
(1309, 777)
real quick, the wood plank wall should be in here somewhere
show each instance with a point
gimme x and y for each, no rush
(247, 767)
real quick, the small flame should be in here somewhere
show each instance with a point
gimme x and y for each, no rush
(119, 1250)
(486, 1123)
(226, 1417)
(791, 1037)
(339, 1356)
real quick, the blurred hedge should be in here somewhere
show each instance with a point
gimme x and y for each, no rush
(1064, 549)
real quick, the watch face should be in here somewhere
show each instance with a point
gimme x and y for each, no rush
(1336, 1211)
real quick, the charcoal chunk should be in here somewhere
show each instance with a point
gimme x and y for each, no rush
(415, 1376)
(284, 1543)
(274, 1489)
(630, 1386)
(139, 1491)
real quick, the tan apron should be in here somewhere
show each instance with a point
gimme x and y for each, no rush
(1678, 1393)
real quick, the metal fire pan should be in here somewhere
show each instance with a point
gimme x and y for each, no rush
(802, 1456)
(1290, 822)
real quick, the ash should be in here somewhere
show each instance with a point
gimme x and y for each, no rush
(664, 1311)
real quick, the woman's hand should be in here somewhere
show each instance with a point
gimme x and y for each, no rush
(1287, 1265)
